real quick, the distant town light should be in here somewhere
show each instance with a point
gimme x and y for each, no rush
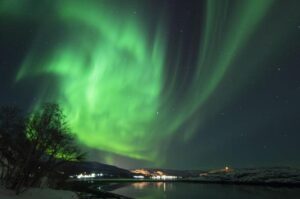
(164, 177)
(139, 177)
(92, 175)
(226, 168)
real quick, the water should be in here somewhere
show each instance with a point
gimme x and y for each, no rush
(178, 190)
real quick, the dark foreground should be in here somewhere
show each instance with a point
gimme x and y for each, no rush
(130, 188)
(183, 190)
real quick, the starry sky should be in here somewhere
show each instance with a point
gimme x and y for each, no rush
(161, 83)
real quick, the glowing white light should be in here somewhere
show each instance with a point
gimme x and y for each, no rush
(139, 177)
(92, 175)
(164, 177)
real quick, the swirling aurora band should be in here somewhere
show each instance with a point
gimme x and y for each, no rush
(106, 68)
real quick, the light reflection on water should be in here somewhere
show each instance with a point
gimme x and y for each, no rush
(158, 185)
(178, 190)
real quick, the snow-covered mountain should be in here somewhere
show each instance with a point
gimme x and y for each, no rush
(270, 175)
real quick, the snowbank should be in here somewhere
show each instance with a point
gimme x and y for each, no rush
(37, 193)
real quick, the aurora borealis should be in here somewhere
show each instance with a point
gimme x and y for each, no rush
(108, 75)
(155, 82)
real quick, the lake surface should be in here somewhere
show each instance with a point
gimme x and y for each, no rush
(178, 190)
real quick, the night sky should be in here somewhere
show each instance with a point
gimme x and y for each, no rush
(184, 84)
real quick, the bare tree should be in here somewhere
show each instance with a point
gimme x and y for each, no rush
(12, 142)
(39, 144)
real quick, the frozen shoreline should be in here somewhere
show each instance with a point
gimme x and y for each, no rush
(38, 193)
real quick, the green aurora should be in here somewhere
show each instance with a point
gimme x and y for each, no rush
(106, 66)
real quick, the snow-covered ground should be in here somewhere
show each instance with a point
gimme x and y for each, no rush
(274, 175)
(38, 193)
